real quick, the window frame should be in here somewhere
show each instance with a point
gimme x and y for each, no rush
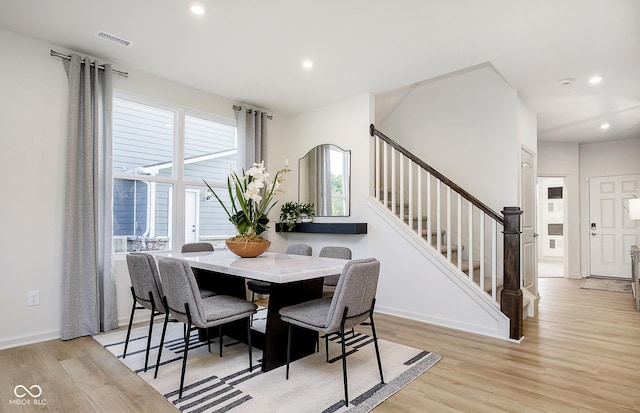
(177, 180)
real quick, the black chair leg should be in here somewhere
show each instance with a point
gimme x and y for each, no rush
(288, 349)
(208, 340)
(344, 356)
(186, 347)
(249, 343)
(133, 310)
(326, 346)
(164, 330)
(153, 314)
(220, 336)
(253, 300)
(375, 343)
(184, 360)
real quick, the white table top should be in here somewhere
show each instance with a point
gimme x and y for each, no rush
(270, 266)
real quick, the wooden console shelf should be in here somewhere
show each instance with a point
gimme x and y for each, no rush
(326, 228)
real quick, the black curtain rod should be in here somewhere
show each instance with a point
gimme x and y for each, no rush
(236, 107)
(64, 56)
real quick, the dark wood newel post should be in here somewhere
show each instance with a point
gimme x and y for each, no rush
(511, 295)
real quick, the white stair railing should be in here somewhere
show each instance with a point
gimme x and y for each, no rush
(441, 214)
(471, 241)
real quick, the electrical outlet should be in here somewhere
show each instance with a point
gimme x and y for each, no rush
(33, 297)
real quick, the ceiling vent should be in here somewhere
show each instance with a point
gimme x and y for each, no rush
(566, 81)
(115, 39)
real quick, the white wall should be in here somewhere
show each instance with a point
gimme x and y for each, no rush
(465, 125)
(527, 127)
(344, 124)
(563, 159)
(410, 284)
(621, 157)
(32, 160)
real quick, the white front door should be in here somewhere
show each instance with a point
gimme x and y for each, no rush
(528, 205)
(611, 232)
(191, 216)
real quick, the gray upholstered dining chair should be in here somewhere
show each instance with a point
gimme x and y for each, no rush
(146, 291)
(198, 247)
(352, 303)
(184, 303)
(330, 282)
(264, 287)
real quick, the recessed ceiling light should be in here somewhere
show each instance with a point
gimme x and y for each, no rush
(197, 8)
(605, 126)
(595, 79)
(307, 64)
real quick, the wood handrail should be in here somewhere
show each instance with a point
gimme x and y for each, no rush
(477, 203)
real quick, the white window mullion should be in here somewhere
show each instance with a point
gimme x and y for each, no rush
(179, 186)
(151, 217)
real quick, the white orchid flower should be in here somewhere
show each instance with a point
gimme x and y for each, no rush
(252, 194)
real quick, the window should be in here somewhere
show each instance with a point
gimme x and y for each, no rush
(339, 182)
(161, 155)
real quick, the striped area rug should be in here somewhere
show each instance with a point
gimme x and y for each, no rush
(224, 384)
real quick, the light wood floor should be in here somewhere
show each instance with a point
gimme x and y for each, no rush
(581, 354)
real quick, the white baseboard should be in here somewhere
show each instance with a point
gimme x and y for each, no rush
(56, 334)
(29, 339)
(498, 332)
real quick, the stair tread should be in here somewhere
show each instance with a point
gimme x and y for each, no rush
(443, 247)
(465, 265)
(434, 233)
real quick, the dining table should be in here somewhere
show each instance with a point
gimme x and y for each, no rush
(294, 279)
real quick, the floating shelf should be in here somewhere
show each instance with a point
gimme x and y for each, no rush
(326, 228)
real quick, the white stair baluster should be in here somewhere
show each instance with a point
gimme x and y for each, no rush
(385, 184)
(401, 200)
(429, 216)
(470, 249)
(438, 221)
(449, 223)
(376, 186)
(459, 260)
(393, 181)
(494, 259)
(482, 241)
(410, 190)
(419, 195)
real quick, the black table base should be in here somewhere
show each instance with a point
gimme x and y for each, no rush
(273, 342)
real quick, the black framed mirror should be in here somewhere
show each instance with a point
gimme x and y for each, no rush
(324, 180)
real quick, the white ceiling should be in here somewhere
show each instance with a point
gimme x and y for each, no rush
(251, 51)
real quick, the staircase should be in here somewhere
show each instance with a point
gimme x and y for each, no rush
(478, 243)
(455, 258)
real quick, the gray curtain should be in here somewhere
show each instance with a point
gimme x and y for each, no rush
(89, 294)
(252, 137)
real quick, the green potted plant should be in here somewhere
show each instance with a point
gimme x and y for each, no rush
(252, 197)
(306, 212)
(289, 212)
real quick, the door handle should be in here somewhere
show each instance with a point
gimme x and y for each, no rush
(593, 234)
(535, 235)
